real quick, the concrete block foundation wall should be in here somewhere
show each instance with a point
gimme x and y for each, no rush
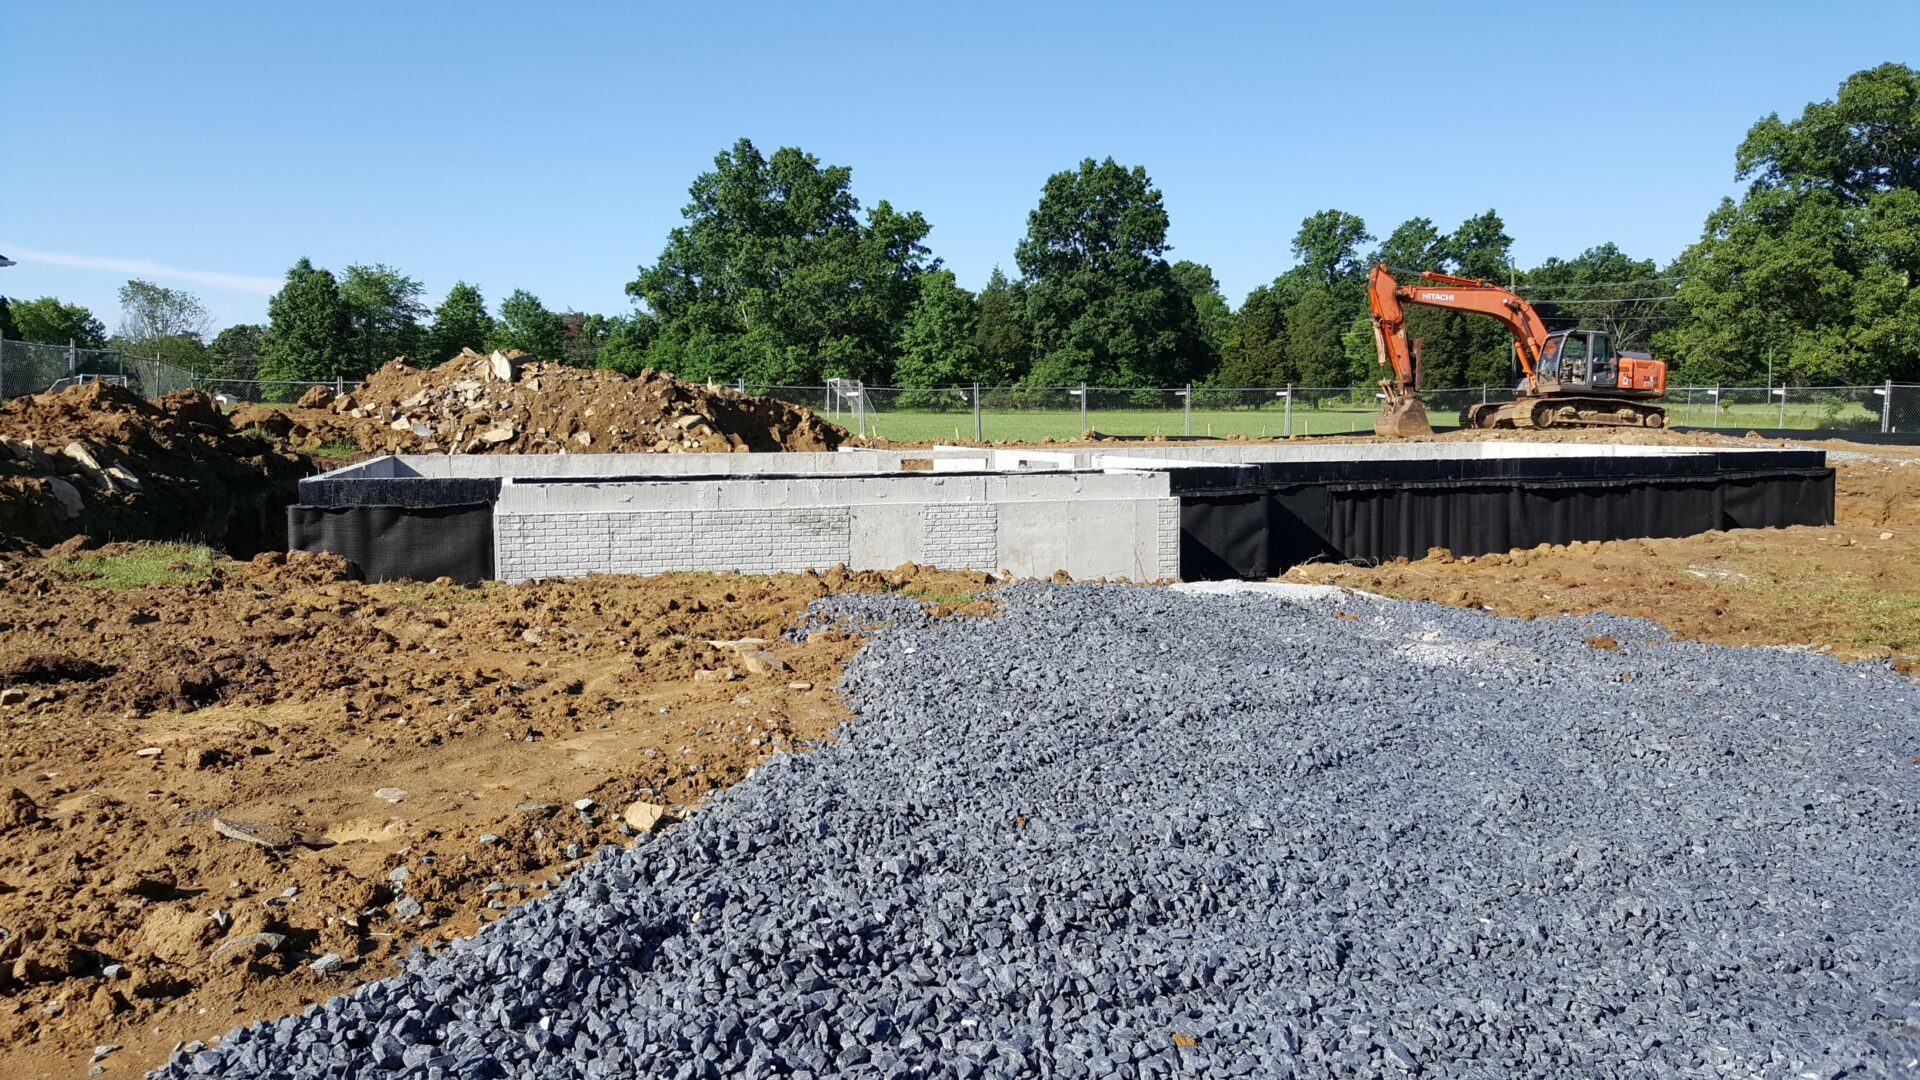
(1113, 525)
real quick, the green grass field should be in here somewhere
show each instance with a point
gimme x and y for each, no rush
(1032, 425)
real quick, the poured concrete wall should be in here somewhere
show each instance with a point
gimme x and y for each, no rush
(1114, 525)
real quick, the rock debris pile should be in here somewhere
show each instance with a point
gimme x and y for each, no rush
(1123, 831)
(101, 460)
(505, 403)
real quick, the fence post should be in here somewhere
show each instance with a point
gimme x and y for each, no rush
(1483, 393)
(860, 406)
(73, 359)
(741, 386)
(1886, 409)
(1783, 406)
(1287, 427)
(976, 414)
(1187, 408)
(1083, 408)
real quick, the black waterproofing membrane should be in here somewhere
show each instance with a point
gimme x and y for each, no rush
(391, 543)
(1255, 521)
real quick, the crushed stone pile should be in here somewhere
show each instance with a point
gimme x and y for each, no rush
(102, 461)
(505, 403)
(1126, 832)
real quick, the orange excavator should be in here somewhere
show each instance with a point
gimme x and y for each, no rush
(1572, 378)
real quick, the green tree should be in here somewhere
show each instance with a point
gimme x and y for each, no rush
(384, 311)
(1104, 305)
(50, 322)
(235, 352)
(1209, 308)
(460, 322)
(937, 346)
(1256, 352)
(776, 277)
(1413, 245)
(8, 331)
(627, 341)
(152, 315)
(1328, 245)
(526, 324)
(1602, 288)
(1001, 334)
(1481, 248)
(309, 330)
(1817, 263)
(1315, 352)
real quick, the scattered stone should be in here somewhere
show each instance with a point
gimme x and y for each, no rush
(390, 794)
(801, 684)
(252, 945)
(148, 751)
(254, 832)
(327, 964)
(12, 695)
(408, 908)
(398, 874)
(643, 816)
(714, 675)
(762, 662)
(72, 504)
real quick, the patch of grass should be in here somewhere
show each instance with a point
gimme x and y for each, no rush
(1849, 616)
(137, 566)
(940, 596)
(336, 451)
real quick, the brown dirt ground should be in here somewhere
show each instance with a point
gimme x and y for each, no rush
(1852, 588)
(281, 693)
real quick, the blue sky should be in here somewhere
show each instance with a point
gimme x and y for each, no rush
(549, 147)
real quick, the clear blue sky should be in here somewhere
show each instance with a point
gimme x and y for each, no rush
(550, 146)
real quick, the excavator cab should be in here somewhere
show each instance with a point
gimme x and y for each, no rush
(1584, 361)
(1580, 360)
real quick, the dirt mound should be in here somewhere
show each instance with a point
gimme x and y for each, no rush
(505, 404)
(99, 459)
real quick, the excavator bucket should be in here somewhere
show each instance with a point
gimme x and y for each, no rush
(1403, 419)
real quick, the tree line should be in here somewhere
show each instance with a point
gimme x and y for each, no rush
(780, 276)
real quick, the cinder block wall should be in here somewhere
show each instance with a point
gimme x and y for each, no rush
(1122, 525)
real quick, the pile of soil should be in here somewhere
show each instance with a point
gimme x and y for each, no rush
(208, 788)
(100, 460)
(506, 404)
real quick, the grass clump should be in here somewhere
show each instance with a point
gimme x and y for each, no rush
(336, 451)
(137, 566)
(941, 597)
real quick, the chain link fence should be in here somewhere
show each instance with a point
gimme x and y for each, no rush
(1033, 414)
(28, 368)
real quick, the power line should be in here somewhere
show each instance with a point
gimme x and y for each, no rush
(1597, 284)
(1616, 300)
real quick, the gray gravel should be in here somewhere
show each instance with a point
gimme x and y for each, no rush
(1126, 831)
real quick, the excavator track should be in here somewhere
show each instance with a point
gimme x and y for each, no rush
(1563, 412)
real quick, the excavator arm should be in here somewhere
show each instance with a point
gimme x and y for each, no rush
(1403, 415)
